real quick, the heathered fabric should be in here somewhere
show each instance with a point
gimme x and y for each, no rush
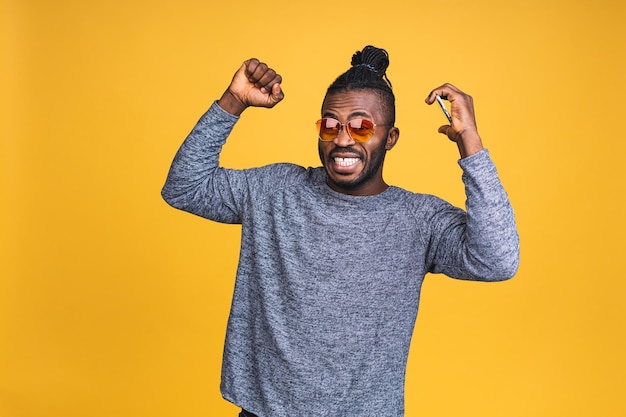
(328, 284)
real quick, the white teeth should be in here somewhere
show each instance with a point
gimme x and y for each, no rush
(346, 162)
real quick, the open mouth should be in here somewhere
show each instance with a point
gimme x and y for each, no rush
(346, 162)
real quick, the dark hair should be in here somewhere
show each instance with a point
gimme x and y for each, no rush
(368, 72)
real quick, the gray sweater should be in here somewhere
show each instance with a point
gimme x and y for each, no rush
(328, 284)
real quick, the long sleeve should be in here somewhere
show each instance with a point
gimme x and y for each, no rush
(195, 183)
(483, 242)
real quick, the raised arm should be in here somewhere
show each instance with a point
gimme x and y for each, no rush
(195, 182)
(483, 244)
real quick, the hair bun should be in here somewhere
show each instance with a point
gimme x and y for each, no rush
(374, 59)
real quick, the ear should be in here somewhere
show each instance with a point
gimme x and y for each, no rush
(392, 138)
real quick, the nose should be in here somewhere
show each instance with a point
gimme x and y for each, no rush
(344, 139)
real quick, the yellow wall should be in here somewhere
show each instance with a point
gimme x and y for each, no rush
(114, 304)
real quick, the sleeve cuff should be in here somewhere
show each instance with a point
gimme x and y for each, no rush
(222, 114)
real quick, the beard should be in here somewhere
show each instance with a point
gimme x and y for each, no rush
(371, 170)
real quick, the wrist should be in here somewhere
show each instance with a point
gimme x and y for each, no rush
(469, 144)
(231, 104)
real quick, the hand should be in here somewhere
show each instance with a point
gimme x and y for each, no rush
(254, 84)
(463, 129)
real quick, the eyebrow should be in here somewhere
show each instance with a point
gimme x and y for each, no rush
(350, 116)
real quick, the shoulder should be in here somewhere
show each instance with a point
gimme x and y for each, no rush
(287, 172)
(427, 211)
(416, 202)
(281, 177)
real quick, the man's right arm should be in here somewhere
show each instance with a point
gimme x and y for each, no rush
(195, 183)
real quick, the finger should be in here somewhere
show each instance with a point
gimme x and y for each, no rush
(251, 66)
(430, 98)
(448, 131)
(446, 91)
(261, 75)
(266, 86)
(267, 80)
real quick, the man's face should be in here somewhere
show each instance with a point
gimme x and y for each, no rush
(356, 167)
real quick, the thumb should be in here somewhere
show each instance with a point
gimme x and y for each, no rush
(447, 130)
(276, 94)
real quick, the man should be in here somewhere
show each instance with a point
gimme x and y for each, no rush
(332, 258)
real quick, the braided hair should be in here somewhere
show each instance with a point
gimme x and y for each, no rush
(368, 72)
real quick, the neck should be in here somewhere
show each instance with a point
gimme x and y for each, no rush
(360, 191)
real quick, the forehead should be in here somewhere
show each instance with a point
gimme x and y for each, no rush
(352, 103)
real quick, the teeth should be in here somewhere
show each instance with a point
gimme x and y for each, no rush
(345, 162)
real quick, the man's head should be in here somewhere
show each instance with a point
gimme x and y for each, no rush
(357, 125)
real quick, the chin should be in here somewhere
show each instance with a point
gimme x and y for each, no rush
(346, 184)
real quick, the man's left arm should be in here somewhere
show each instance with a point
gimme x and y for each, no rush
(485, 245)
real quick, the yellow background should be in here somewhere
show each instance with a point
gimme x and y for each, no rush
(114, 304)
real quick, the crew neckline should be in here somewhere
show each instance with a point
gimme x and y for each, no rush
(353, 198)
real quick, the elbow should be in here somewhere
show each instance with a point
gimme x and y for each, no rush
(501, 258)
(493, 263)
(502, 274)
(167, 193)
(503, 267)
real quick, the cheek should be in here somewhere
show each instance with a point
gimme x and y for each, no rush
(377, 148)
(322, 152)
(325, 147)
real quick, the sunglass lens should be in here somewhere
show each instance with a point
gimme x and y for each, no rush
(328, 129)
(361, 130)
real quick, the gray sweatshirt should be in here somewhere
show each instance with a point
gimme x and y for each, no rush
(328, 284)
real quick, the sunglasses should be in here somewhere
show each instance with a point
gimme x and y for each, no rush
(361, 130)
